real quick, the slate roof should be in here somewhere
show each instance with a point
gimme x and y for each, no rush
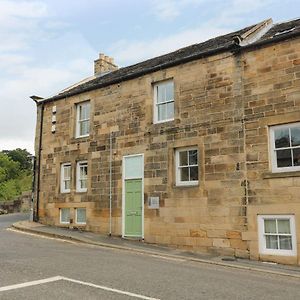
(283, 29)
(219, 44)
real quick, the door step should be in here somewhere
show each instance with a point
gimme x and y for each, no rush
(132, 238)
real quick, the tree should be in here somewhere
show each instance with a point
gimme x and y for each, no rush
(9, 190)
(22, 156)
(15, 173)
(9, 169)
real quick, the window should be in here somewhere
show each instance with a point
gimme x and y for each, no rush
(65, 184)
(81, 178)
(285, 147)
(164, 101)
(187, 166)
(277, 235)
(80, 215)
(83, 119)
(64, 215)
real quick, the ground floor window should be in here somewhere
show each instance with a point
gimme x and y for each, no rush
(277, 234)
(80, 215)
(187, 166)
(64, 215)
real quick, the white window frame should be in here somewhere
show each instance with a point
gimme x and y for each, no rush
(78, 121)
(78, 178)
(177, 167)
(63, 179)
(156, 104)
(276, 169)
(76, 217)
(60, 215)
(262, 239)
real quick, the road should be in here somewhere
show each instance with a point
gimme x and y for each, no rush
(32, 267)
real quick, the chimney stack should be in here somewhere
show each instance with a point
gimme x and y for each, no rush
(104, 64)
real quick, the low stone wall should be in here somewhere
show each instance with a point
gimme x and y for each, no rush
(19, 204)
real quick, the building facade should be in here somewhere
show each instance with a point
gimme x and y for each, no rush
(197, 149)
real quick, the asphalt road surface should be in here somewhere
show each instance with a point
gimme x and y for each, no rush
(33, 267)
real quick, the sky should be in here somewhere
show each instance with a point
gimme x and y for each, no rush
(47, 45)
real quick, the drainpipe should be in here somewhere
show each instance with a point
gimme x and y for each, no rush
(33, 168)
(38, 167)
(110, 183)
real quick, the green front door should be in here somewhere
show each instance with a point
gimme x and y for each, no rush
(133, 207)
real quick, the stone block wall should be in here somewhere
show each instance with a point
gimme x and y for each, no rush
(271, 92)
(223, 106)
(19, 204)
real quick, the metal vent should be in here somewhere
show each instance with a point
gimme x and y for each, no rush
(153, 202)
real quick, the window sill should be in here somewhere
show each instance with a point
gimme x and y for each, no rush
(163, 121)
(286, 253)
(81, 139)
(82, 136)
(269, 175)
(186, 186)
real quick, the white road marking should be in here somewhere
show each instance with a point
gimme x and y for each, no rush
(168, 258)
(57, 278)
(105, 288)
(30, 283)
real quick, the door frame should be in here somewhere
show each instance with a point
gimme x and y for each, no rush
(123, 193)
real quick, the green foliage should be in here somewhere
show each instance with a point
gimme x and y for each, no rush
(15, 173)
(10, 168)
(22, 156)
(9, 189)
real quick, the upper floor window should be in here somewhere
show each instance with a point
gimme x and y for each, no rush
(285, 147)
(187, 166)
(164, 101)
(82, 176)
(65, 185)
(277, 234)
(83, 119)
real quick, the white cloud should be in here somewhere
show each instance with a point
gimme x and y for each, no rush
(24, 9)
(226, 20)
(170, 9)
(19, 20)
(29, 66)
(126, 51)
(10, 144)
(236, 11)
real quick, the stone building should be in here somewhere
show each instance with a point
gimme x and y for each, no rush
(197, 149)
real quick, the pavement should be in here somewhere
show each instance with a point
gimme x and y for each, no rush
(142, 247)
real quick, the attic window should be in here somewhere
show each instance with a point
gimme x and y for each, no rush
(285, 31)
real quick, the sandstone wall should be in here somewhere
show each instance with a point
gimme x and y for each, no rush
(271, 92)
(223, 105)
